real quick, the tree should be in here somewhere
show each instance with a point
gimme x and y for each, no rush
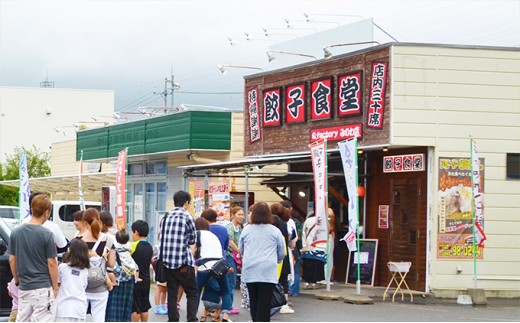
(38, 165)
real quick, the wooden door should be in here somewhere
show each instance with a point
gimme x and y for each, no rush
(407, 223)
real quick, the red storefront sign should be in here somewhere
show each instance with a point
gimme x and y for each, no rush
(295, 103)
(321, 99)
(376, 106)
(272, 108)
(349, 93)
(338, 133)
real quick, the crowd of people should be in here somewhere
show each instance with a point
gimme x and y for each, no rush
(106, 272)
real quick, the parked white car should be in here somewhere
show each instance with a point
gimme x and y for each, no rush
(62, 212)
(9, 214)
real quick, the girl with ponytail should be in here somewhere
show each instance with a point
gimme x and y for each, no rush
(92, 235)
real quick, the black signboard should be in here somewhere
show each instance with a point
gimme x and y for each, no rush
(368, 255)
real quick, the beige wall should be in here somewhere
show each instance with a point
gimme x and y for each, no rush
(40, 110)
(441, 96)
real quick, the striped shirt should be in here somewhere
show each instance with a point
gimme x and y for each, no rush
(179, 234)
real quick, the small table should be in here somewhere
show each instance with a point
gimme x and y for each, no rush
(398, 270)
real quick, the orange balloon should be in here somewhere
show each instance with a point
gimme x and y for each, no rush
(361, 191)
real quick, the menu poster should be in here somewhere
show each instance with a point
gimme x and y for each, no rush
(219, 199)
(196, 189)
(383, 216)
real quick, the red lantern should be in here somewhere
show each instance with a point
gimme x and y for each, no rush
(361, 191)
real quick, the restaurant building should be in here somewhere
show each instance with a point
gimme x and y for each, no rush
(413, 109)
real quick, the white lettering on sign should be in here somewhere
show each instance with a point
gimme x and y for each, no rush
(337, 133)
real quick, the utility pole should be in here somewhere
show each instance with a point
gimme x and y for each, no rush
(168, 90)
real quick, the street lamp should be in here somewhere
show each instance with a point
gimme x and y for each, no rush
(59, 129)
(81, 125)
(271, 58)
(328, 54)
(223, 68)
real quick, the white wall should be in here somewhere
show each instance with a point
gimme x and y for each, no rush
(441, 96)
(28, 115)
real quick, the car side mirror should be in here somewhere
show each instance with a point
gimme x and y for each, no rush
(3, 247)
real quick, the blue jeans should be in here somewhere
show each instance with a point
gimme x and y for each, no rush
(232, 277)
(202, 278)
(294, 289)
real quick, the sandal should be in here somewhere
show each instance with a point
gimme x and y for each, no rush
(204, 315)
(216, 315)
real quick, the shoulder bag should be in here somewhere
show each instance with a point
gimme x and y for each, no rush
(160, 272)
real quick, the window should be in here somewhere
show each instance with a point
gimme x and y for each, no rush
(156, 168)
(135, 169)
(513, 166)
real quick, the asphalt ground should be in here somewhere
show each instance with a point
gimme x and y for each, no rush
(423, 309)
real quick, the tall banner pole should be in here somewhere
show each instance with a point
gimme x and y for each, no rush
(473, 215)
(476, 207)
(319, 168)
(80, 183)
(24, 210)
(349, 160)
(121, 189)
(358, 281)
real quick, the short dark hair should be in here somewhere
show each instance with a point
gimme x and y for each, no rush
(180, 198)
(210, 215)
(201, 224)
(141, 227)
(106, 218)
(34, 194)
(260, 214)
(122, 236)
(286, 204)
(78, 216)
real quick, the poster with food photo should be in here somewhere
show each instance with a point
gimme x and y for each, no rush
(455, 238)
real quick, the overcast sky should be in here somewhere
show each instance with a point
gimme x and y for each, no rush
(131, 46)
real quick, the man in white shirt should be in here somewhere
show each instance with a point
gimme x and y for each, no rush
(59, 238)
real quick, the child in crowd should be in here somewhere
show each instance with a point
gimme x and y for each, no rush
(13, 292)
(124, 257)
(142, 252)
(72, 277)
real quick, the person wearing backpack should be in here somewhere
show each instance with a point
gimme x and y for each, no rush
(119, 307)
(102, 257)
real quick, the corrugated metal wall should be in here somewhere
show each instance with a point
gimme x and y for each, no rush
(203, 130)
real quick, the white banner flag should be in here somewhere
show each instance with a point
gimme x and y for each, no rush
(477, 196)
(319, 167)
(25, 192)
(348, 151)
(80, 184)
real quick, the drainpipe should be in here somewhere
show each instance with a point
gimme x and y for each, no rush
(365, 181)
(246, 195)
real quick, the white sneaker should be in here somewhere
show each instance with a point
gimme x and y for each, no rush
(286, 309)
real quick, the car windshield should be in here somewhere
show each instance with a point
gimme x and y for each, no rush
(5, 228)
(9, 212)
